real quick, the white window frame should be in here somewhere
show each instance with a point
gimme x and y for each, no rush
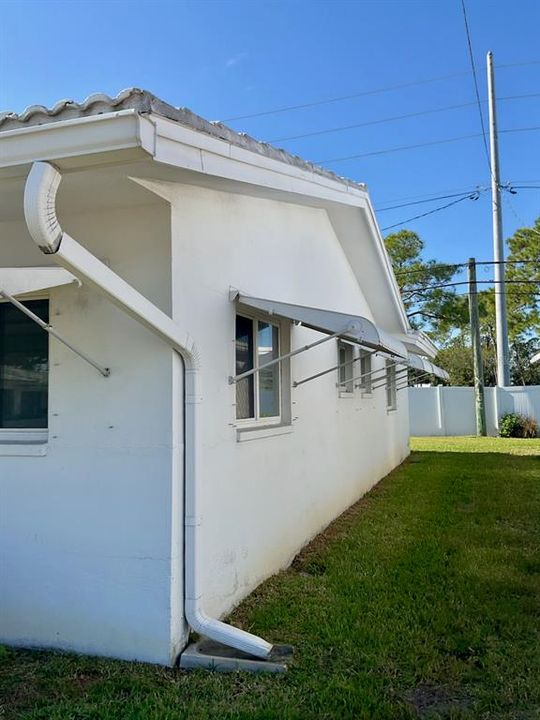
(257, 421)
(391, 386)
(16, 441)
(346, 374)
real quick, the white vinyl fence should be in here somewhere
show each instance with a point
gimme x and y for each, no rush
(450, 410)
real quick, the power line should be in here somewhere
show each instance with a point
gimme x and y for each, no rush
(430, 267)
(507, 262)
(393, 118)
(339, 98)
(477, 92)
(400, 148)
(517, 293)
(434, 195)
(430, 199)
(517, 184)
(436, 266)
(473, 196)
(413, 291)
(519, 64)
(390, 88)
(509, 188)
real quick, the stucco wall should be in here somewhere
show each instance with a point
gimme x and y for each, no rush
(85, 530)
(91, 532)
(265, 498)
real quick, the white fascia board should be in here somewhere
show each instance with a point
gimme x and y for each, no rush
(77, 137)
(386, 263)
(25, 280)
(186, 148)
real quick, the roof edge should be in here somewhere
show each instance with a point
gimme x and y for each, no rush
(145, 103)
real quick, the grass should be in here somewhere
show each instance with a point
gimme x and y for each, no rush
(423, 600)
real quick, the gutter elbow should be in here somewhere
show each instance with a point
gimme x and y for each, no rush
(225, 634)
(40, 207)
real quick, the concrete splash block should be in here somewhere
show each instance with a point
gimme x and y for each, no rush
(209, 655)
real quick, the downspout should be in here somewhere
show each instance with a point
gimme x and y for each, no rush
(40, 213)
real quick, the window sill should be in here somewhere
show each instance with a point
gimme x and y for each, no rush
(23, 443)
(345, 394)
(254, 433)
(23, 449)
(391, 411)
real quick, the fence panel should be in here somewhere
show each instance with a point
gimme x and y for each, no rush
(450, 410)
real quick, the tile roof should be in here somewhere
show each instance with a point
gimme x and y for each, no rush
(143, 101)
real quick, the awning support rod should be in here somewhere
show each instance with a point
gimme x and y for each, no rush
(49, 329)
(296, 383)
(366, 375)
(398, 376)
(407, 384)
(411, 382)
(280, 359)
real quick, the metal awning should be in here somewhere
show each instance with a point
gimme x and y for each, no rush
(24, 280)
(419, 363)
(355, 328)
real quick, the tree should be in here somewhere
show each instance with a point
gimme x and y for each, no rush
(523, 290)
(430, 308)
(445, 315)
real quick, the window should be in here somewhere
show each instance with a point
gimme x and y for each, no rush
(346, 361)
(365, 371)
(24, 367)
(391, 393)
(258, 397)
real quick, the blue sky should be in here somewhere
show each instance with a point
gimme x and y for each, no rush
(227, 58)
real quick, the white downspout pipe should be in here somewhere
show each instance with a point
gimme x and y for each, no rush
(40, 213)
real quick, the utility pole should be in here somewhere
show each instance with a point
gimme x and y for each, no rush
(477, 350)
(503, 364)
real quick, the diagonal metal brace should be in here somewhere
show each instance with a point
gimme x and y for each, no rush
(49, 329)
(280, 359)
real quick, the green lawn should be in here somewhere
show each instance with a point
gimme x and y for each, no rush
(423, 600)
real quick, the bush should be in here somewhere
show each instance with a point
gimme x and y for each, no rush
(530, 427)
(513, 425)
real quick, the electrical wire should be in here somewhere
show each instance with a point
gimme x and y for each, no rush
(473, 196)
(431, 199)
(393, 118)
(400, 148)
(390, 88)
(340, 98)
(464, 264)
(466, 282)
(435, 266)
(477, 92)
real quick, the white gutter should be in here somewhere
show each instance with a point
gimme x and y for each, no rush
(40, 213)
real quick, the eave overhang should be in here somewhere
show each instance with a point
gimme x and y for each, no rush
(127, 135)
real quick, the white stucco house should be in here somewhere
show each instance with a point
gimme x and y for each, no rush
(167, 440)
